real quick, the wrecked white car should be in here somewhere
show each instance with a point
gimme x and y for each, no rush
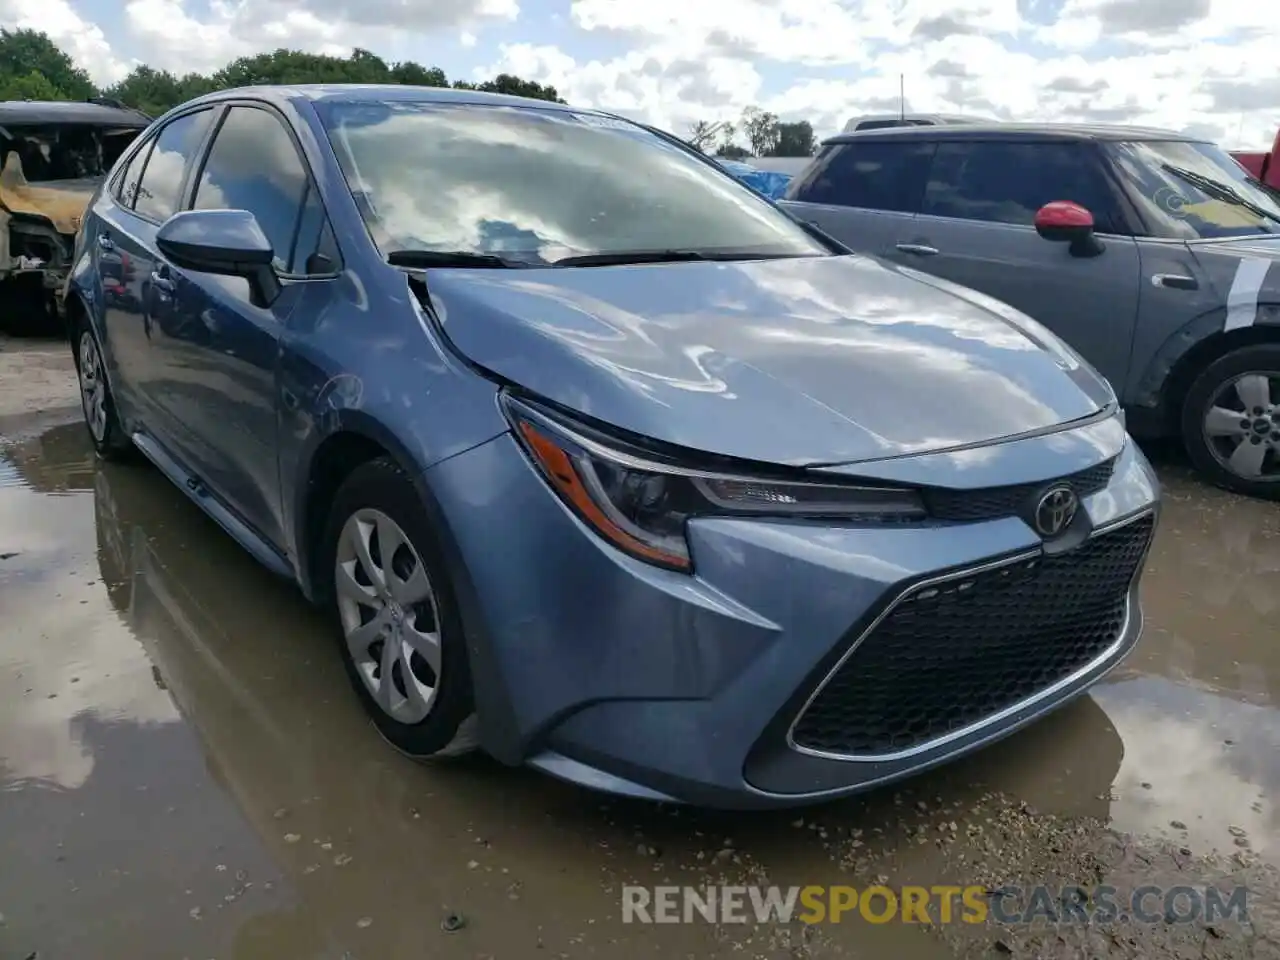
(55, 154)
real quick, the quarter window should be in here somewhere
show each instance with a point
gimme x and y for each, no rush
(1007, 182)
(885, 175)
(127, 182)
(159, 189)
(253, 165)
(314, 249)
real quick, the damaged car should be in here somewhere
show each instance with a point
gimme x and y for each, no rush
(598, 461)
(53, 156)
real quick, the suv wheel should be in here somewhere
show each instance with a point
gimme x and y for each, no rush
(400, 634)
(109, 440)
(1231, 421)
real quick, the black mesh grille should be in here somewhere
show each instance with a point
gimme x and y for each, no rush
(953, 653)
(991, 503)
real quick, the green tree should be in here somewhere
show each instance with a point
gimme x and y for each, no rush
(32, 86)
(33, 67)
(26, 52)
(295, 67)
(155, 91)
(703, 134)
(761, 130)
(512, 86)
(795, 140)
(416, 75)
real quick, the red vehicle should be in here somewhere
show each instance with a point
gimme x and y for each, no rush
(1264, 166)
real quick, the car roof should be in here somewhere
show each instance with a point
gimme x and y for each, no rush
(71, 111)
(372, 92)
(1014, 131)
(948, 117)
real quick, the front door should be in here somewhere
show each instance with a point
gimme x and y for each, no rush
(975, 229)
(220, 352)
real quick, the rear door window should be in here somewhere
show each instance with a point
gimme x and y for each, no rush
(876, 175)
(159, 191)
(1007, 182)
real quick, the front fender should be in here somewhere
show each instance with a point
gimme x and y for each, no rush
(382, 377)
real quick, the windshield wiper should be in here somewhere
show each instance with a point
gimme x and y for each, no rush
(451, 258)
(1219, 191)
(630, 256)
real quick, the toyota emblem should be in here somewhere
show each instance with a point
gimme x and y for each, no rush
(1055, 511)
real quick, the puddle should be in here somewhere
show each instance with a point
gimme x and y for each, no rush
(1198, 705)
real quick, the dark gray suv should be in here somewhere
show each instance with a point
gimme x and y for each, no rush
(1150, 252)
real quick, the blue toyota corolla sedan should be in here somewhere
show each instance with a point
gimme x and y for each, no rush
(602, 463)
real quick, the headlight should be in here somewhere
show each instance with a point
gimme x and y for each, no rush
(640, 504)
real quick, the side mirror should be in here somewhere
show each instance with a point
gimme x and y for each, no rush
(1062, 221)
(225, 242)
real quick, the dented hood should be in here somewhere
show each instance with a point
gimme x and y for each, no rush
(824, 360)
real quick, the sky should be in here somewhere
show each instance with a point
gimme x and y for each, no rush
(1211, 67)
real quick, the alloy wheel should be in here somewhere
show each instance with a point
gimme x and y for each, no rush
(389, 615)
(1242, 425)
(93, 388)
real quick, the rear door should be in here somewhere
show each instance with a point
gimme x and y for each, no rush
(864, 193)
(975, 228)
(218, 353)
(116, 255)
(145, 193)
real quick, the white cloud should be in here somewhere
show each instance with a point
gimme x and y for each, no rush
(1205, 65)
(175, 39)
(83, 41)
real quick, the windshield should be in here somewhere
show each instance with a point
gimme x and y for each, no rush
(541, 185)
(1195, 191)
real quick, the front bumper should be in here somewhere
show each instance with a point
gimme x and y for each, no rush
(609, 672)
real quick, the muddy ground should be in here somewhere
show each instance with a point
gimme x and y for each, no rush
(184, 772)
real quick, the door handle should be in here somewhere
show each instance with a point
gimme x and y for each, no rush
(105, 242)
(919, 249)
(1175, 281)
(161, 282)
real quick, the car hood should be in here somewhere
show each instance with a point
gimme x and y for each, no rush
(818, 360)
(62, 202)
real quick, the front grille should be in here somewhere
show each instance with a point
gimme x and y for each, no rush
(991, 503)
(950, 654)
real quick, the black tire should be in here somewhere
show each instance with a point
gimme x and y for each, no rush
(450, 728)
(1205, 389)
(114, 443)
(29, 309)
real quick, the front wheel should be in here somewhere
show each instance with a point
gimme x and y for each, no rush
(400, 634)
(1231, 421)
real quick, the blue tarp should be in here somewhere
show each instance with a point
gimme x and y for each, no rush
(772, 185)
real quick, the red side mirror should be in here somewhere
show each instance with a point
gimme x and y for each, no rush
(1062, 221)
